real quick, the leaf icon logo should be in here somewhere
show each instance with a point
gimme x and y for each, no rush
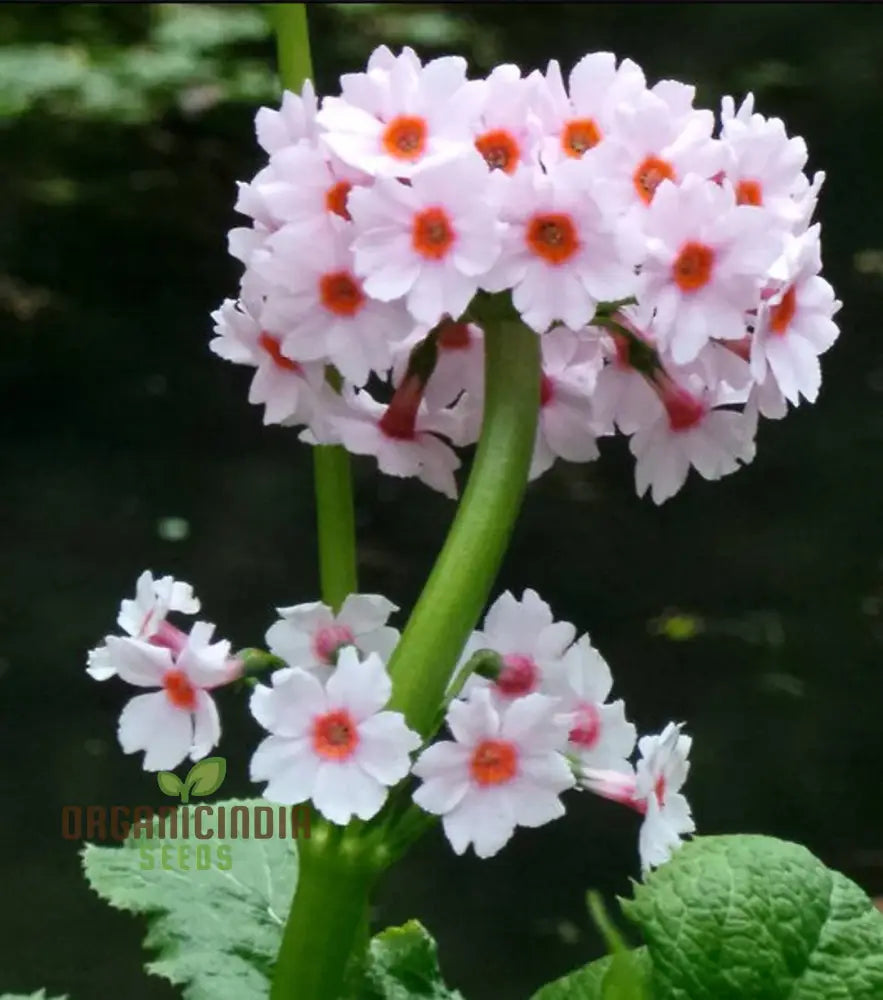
(205, 777)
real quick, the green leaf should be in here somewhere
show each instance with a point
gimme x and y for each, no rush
(216, 930)
(749, 916)
(593, 980)
(169, 783)
(402, 964)
(39, 995)
(207, 776)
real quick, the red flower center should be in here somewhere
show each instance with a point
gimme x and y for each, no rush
(328, 640)
(454, 336)
(587, 728)
(519, 675)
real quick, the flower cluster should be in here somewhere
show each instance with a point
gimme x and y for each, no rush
(528, 714)
(666, 261)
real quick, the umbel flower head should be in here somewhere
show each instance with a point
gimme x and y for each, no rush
(384, 213)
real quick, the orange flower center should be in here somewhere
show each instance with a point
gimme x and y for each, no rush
(692, 268)
(579, 135)
(335, 199)
(494, 762)
(405, 137)
(749, 193)
(552, 237)
(649, 175)
(432, 234)
(335, 736)
(179, 690)
(500, 150)
(272, 346)
(783, 312)
(340, 293)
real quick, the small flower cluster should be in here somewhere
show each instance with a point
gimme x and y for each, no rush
(531, 721)
(667, 263)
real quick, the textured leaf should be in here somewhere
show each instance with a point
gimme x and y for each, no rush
(403, 965)
(749, 916)
(216, 931)
(592, 980)
(169, 783)
(206, 776)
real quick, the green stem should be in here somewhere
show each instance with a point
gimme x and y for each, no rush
(292, 43)
(329, 915)
(336, 524)
(458, 587)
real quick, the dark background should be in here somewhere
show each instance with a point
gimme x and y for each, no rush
(125, 444)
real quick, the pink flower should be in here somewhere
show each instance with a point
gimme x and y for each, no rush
(311, 636)
(321, 308)
(459, 365)
(796, 325)
(565, 424)
(294, 121)
(578, 118)
(560, 255)
(179, 719)
(527, 637)
(332, 742)
(503, 769)
(508, 132)
(706, 260)
(401, 116)
(600, 736)
(287, 388)
(690, 432)
(403, 437)
(430, 241)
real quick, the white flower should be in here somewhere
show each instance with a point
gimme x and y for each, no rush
(400, 116)
(600, 736)
(332, 743)
(661, 771)
(767, 165)
(503, 769)
(560, 255)
(706, 259)
(508, 133)
(311, 636)
(145, 618)
(429, 241)
(321, 309)
(689, 432)
(578, 121)
(405, 442)
(795, 325)
(528, 640)
(287, 388)
(293, 122)
(565, 425)
(180, 719)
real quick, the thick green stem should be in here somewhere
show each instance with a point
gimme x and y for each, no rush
(328, 917)
(336, 524)
(460, 582)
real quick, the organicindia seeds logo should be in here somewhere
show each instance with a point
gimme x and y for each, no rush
(187, 836)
